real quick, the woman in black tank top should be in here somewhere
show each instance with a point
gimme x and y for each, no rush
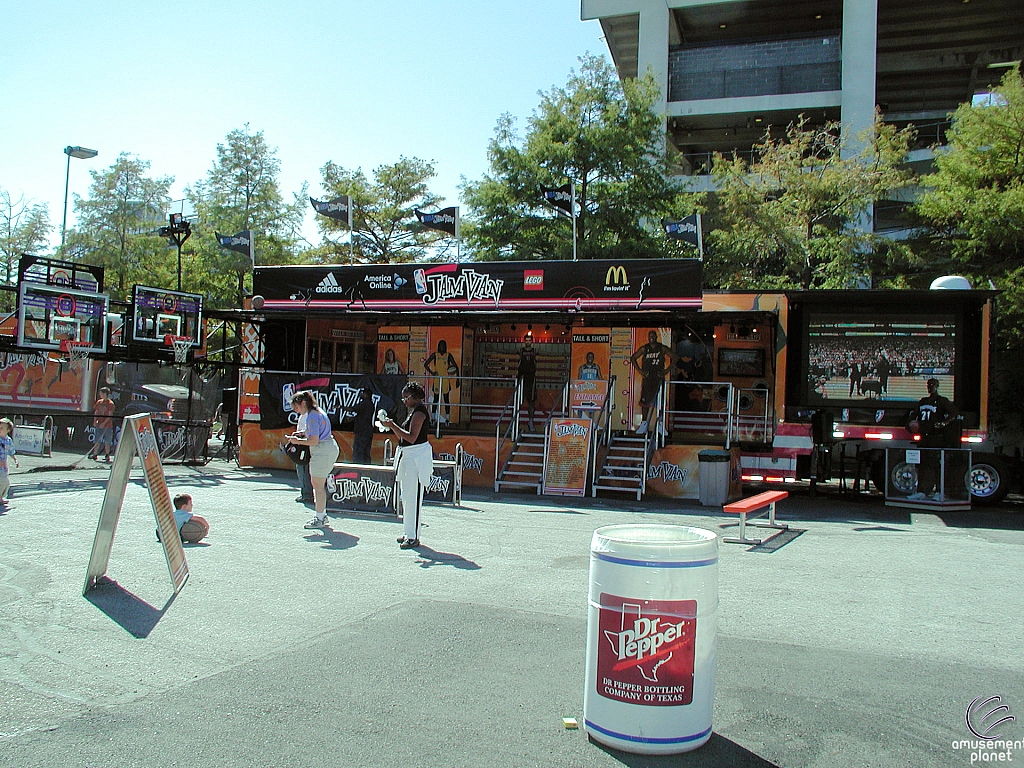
(413, 461)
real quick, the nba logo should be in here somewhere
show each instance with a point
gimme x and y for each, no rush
(420, 278)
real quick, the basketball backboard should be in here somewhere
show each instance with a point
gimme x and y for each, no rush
(158, 313)
(66, 274)
(51, 314)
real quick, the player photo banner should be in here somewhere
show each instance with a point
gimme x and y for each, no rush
(445, 220)
(687, 230)
(240, 243)
(339, 209)
(560, 197)
(600, 284)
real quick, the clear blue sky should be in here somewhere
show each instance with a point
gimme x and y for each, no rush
(360, 83)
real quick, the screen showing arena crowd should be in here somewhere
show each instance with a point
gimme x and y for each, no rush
(879, 359)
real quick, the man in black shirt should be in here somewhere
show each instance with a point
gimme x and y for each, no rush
(362, 428)
(938, 424)
(527, 373)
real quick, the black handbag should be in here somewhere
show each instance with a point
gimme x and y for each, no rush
(298, 453)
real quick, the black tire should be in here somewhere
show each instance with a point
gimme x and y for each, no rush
(988, 481)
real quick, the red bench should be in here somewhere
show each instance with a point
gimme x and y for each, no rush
(762, 503)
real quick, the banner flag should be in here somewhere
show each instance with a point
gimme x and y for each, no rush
(446, 220)
(240, 243)
(339, 209)
(560, 197)
(687, 229)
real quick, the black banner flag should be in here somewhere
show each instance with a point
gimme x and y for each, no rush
(240, 243)
(560, 197)
(688, 230)
(339, 209)
(446, 220)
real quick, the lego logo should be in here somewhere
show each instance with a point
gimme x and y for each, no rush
(533, 280)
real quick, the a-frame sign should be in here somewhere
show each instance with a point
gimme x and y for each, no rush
(137, 439)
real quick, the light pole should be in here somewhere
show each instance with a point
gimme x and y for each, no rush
(178, 231)
(82, 154)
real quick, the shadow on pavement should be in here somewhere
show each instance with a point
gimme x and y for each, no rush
(430, 557)
(132, 613)
(328, 538)
(718, 751)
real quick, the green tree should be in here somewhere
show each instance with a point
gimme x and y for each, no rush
(24, 229)
(604, 137)
(791, 217)
(385, 227)
(241, 191)
(117, 226)
(974, 201)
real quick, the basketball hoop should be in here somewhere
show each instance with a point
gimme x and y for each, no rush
(181, 344)
(77, 352)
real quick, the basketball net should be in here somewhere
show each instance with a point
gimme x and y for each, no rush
(77, 352)
(181, 344)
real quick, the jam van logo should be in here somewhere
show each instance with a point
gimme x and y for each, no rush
(146, 442)
(469, 461)
(351, 486)
(439, 484)
(669, 472)
(646, 650)
(573, 430)
(467, 285)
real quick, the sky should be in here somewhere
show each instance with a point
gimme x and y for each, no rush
(357, 82)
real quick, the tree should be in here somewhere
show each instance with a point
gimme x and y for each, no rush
(241, 191)
(117, 225)
(24, 229)
(385, 227)
(974, 201)
(604, 137)
(790, 218)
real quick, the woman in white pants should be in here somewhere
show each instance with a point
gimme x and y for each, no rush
(414, 461)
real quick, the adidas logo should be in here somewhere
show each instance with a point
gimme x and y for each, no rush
(329, 285)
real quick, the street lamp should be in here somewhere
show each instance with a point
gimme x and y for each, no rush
(178, 231)
(82, 154)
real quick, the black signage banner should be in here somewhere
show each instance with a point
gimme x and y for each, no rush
(339, 209)
(336, 394)
(687, 230)
(372, 488)
(240, 243)
(562, 286)
(445, 220)
(560, 197)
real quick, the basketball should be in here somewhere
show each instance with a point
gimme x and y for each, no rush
(914, 427)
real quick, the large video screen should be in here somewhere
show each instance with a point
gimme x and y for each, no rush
(882, 358)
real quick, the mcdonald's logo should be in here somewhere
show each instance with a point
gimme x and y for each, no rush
(616, 276)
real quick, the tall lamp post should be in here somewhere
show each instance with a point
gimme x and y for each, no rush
(178, 230)
(82, 154)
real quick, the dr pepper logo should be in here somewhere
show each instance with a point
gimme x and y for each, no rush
(533, 279)
(646, 650)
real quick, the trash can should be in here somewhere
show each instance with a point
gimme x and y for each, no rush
(651, 637)
(713, 477)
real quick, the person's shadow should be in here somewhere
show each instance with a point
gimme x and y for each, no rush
(328, 538)
(428, 558)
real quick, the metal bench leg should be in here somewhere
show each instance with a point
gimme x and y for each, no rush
(771, 523)
(742, 539)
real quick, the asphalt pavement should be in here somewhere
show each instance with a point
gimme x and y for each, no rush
(859, 637)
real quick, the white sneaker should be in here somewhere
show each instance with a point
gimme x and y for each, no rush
(316, 522)
(917, 496)
(642, 429)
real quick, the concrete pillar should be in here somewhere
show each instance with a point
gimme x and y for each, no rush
(860, 52)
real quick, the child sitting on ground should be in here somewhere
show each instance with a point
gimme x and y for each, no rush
(191, 527)
(6, 449)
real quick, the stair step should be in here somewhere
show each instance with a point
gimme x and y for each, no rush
(518, 484)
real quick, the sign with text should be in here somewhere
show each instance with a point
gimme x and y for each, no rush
(137, 439)
(568, 453)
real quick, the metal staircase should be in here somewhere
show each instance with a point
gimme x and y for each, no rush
(525, 465)
(625, 465)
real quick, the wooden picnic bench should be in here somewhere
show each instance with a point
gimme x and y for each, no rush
(762, 503)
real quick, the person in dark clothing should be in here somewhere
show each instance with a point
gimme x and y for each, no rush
(856, 375)
(884, 370)
(937, 421)
(362, 428)
(527, 373)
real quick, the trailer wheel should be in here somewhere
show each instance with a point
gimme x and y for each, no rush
(988, 481)
(904, 477)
